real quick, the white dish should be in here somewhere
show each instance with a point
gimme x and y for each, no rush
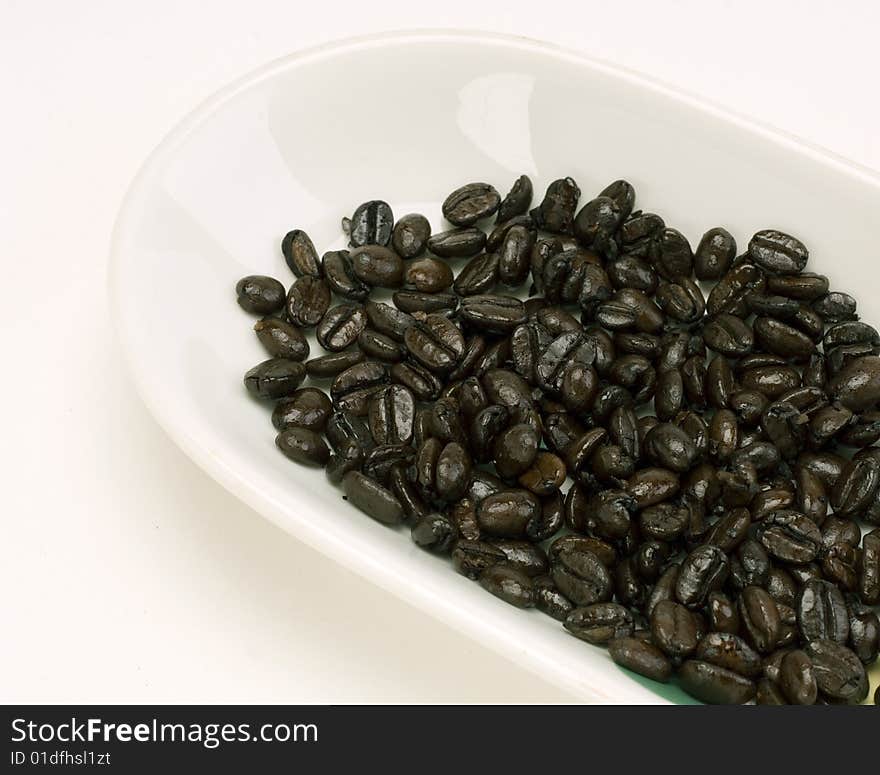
(408, 117)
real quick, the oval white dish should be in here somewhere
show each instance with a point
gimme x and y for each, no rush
(407, 117)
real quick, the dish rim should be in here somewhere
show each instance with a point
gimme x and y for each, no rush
(311, 532)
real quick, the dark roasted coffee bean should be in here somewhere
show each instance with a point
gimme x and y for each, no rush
(652, 485)
(468, 204)
(428, 275)
(728, 335)
(723, 616)
(371, 224)
(303, 446)
(790, 537)
(495, 314)
(479, 276)
(857, 486)
(341, 326)
(777, 252)
(514, 450)
(343, 428)
(835, 307)
(380, 347)
(596, 224)
(670, 447)
(382, 460)
(600, 623)
(822, 612)
(282, 339)
(676, 259)
(410, 235)
(508, 514)
(517, 200)
(473, 558)
(731, 292)
(434, 532)
(797, 679)
(387, 320)
(510, 584)
(457, 243)
(341, 278)
(714, 254)
(307, 301)
(869, 569)
(549, 600)
(640, 657)
(260, 294)
(581, 577)
(556, 211)
(349, 456)
(857, 385)
(514, 256)
(760, 618)
(275, 378)
(781, 339)
(307, 408)
(545, 475)
(377, 266)
(703, 571)
(803, 287)
(372, 498)
(300, 254)
(769, 693)
(436, 343)
(391, 415)
(630, 271)
(864, 629)
(771, 381)
(673, 629)
(715, 685)
(330, 365)
(731, 652)
(839, 673)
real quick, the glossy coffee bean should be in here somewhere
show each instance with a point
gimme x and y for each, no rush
(341, 326)
(600, 623)
(640, 657)
(556, 211)
(308, 300)
(797, 679)
(728, 650)
(777, 252)
(468, 204)
(703, 571)
(308, 408)
(509, 584)
(436, 343)
(410, 235)
(715, 685)
(274, 378)
(822, 612)
(303, 446)
(864, 633)
(509, 513)
(714, 254)
(260, 294)
(428, 275)
(282, 339)
(838, 671)
(581, 577)
(340, 276)
(791, 537)
(495, 314)
(674, 629)
(300, 254)
(759, 617)
(857, 385)
(372, 498)
(377, 266)
(457, 243)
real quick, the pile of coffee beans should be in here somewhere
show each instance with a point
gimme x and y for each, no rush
(671, 451)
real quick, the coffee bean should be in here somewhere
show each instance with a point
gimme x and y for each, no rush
(822, 612)
(300, 254)
(703, 571)
(371, 224)
(457, 243)
(308, 300)
(673, 629)
(303, 446)
(468, 204)
(640, 657)
(556, 211)
(495, 314)
(600, 623)
(260, 294)
(778, 252)
(308, 408)
(341, 278)
(839, 673)
(581, 577)
(410, 235)
(797, 679)
(274, 378)
(372, 498)
(714, 254)
(282, 339)
(715, 685)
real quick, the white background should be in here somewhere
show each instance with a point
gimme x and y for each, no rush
(126, 575)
